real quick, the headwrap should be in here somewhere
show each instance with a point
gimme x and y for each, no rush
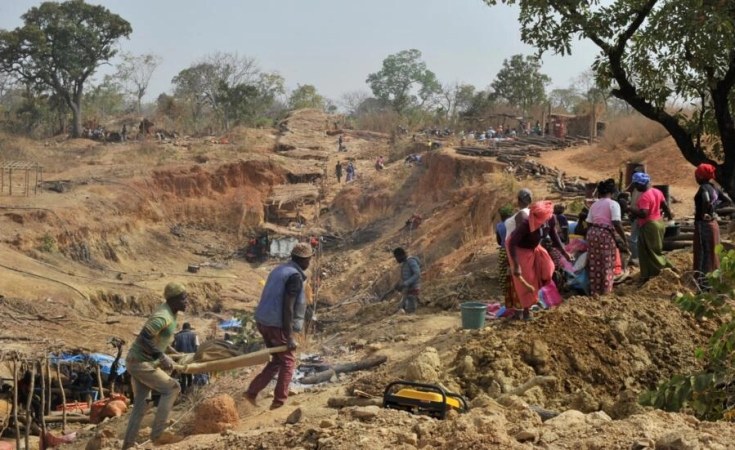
(540, 213)
(705, 172)
(641, 178)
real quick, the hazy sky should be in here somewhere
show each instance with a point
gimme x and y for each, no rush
(332, 44)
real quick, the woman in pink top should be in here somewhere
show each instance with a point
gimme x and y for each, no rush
(604, 221)
(650, 241)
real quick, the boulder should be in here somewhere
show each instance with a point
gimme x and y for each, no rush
(215, 415)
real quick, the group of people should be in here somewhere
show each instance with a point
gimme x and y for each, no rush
(350, 170)
(534, 241)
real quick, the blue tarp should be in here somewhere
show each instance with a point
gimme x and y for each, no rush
(104, 361)
(229, 324)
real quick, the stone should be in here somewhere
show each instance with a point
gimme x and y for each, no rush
(567, 419)
(425, 367)
(526, 436)
(294, 417)
(408, 438)
(365, 412)
(677, 440)
(643, 444)
(549, 437)
(327, 423)
(538, 356)
(584, 401)
(214, 415)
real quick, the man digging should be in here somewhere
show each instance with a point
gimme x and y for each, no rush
(280, 312)
(149, 366)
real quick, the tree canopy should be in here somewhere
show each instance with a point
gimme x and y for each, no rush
(520, 82)
(59, 46)
(231, 86)
(671, 60)
(135, 73)
(404, 81)
(306, 96)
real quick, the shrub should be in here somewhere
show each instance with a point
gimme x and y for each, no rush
(709, 394)
(48, 243)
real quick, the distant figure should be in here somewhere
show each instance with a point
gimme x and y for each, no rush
(562, 222)
(338, 172)
(339, 143)
(124, 133)
(410, 283)
(503, 268)
(380, 163)
(186, 341)
(351, 172)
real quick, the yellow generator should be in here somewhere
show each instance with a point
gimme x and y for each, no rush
(420, 398)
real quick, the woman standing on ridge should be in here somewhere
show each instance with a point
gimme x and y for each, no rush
(706, 229)
(647, 211)
(604, 221)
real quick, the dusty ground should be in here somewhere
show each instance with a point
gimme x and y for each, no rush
(89, 263)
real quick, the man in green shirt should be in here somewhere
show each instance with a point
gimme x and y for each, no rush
(149, 365)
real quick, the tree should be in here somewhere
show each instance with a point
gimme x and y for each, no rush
(565, 99)
(653, 52)
(520, 82)
(351, 101)
(59, 46)
(404, 81)
(456, 98)
(135, 73)
(306, 96)
(218, 79)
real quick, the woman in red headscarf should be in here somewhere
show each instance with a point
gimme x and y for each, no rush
(531, 264)
(706, 229)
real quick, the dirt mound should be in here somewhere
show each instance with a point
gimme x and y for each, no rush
(214, 415)
(621, 343)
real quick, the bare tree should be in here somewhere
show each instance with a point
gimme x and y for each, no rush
(351, 101)
(135, 74)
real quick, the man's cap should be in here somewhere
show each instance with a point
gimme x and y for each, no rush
(302, 250)
(173, 290)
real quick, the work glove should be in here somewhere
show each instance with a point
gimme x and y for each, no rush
(166, 363)
(292, 344)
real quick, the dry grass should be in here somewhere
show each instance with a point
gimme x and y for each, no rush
(632, 133)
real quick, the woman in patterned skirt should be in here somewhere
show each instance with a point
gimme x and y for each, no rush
(604, 222)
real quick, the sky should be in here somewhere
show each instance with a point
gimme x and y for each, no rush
(332, 44)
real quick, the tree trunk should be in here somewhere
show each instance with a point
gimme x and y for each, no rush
(76, 112)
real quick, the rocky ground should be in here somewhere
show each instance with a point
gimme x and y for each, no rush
(136, 215)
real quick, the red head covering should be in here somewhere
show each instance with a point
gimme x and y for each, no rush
(705, 172)
(540, 213)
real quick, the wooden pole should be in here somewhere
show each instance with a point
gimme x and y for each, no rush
(63, 399)
(29, 405)
(15, 403)
(99, 382)
(50, 387)
(42, 364)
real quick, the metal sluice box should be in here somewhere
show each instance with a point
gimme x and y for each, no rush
(421, 398)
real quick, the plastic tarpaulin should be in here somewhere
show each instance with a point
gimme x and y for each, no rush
(100, 359)
(281, 247)
(230, 324)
